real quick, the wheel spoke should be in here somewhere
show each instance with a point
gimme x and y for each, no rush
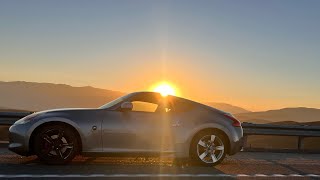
(203, 155)
(60, 153)
(201, 143)
(60, 135)
(219, 148)
(47, 138)
(68, 145)
(213, 157)
(212, 138)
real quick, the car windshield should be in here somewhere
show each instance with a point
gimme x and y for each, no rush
(114, 102)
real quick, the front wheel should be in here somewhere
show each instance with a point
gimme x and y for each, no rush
(208, 148)
(56, 144)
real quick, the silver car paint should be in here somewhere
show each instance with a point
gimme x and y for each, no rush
(107, 130)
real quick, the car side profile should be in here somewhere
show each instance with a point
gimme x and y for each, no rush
(144, 123)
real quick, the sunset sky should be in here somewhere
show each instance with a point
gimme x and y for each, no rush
(255, 54)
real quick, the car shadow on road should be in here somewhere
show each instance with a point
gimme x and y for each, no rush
(116, 165)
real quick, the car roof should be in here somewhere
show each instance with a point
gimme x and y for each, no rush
(154, 96)
(149, 96)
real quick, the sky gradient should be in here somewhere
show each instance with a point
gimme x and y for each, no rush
(255, 54)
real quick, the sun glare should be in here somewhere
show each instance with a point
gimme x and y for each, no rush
(165, 89)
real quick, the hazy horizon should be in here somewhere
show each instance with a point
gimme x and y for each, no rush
(258, 55)
(208, 102)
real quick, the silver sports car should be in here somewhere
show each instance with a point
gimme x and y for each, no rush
(144, 123)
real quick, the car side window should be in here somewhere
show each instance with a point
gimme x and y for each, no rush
(180, 106)
(140, 106)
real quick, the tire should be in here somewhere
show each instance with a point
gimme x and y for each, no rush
(56, 144)
(206, 152)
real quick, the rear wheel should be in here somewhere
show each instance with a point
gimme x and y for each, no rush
(56, 144)
(208, 148)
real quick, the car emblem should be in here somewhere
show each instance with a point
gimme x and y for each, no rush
(176, 123)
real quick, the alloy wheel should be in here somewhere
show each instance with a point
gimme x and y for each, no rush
(56, 144)
(210, 149)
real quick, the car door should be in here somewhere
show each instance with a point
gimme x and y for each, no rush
(151, 125)
(144, 129)
(117, 136)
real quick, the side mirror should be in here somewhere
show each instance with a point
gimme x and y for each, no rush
(126, 106)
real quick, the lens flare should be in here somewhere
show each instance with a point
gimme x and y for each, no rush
(165, 89)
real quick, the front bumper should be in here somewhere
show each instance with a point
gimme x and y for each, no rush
(18, 140)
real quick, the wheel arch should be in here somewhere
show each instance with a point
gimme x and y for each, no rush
(47, 123)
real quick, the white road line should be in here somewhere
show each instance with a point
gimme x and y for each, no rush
(295, 175)
(260, 175)
(149, 175)
(313, 175)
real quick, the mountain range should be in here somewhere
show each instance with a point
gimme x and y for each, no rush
(228, 107)
(40, 96)
(33, 96)
(298, 114)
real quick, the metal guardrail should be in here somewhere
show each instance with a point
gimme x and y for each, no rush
(284, 130)
(300, 131)
(8, 118)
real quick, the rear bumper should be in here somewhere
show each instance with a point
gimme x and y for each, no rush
(236, 146)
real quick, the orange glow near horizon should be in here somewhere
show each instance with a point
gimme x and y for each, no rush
(165, 89)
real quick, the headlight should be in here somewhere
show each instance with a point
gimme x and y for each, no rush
(26, 119)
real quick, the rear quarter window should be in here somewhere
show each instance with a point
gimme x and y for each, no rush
(183, 106)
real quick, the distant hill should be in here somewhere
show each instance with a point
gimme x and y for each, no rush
(227, 107)
(34, 96)
(40, 96)
(300, 114)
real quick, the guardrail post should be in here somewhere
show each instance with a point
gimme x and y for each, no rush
(245, 139)
(300, 143)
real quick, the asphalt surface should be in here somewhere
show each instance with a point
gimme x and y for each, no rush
(241, 166)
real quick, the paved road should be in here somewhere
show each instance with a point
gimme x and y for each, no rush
(242, 165)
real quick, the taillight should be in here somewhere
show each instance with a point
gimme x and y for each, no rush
(235, 122)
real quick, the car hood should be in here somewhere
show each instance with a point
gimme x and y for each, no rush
(64, 109)
(61, 110)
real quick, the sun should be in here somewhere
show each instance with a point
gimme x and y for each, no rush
(165, 89)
